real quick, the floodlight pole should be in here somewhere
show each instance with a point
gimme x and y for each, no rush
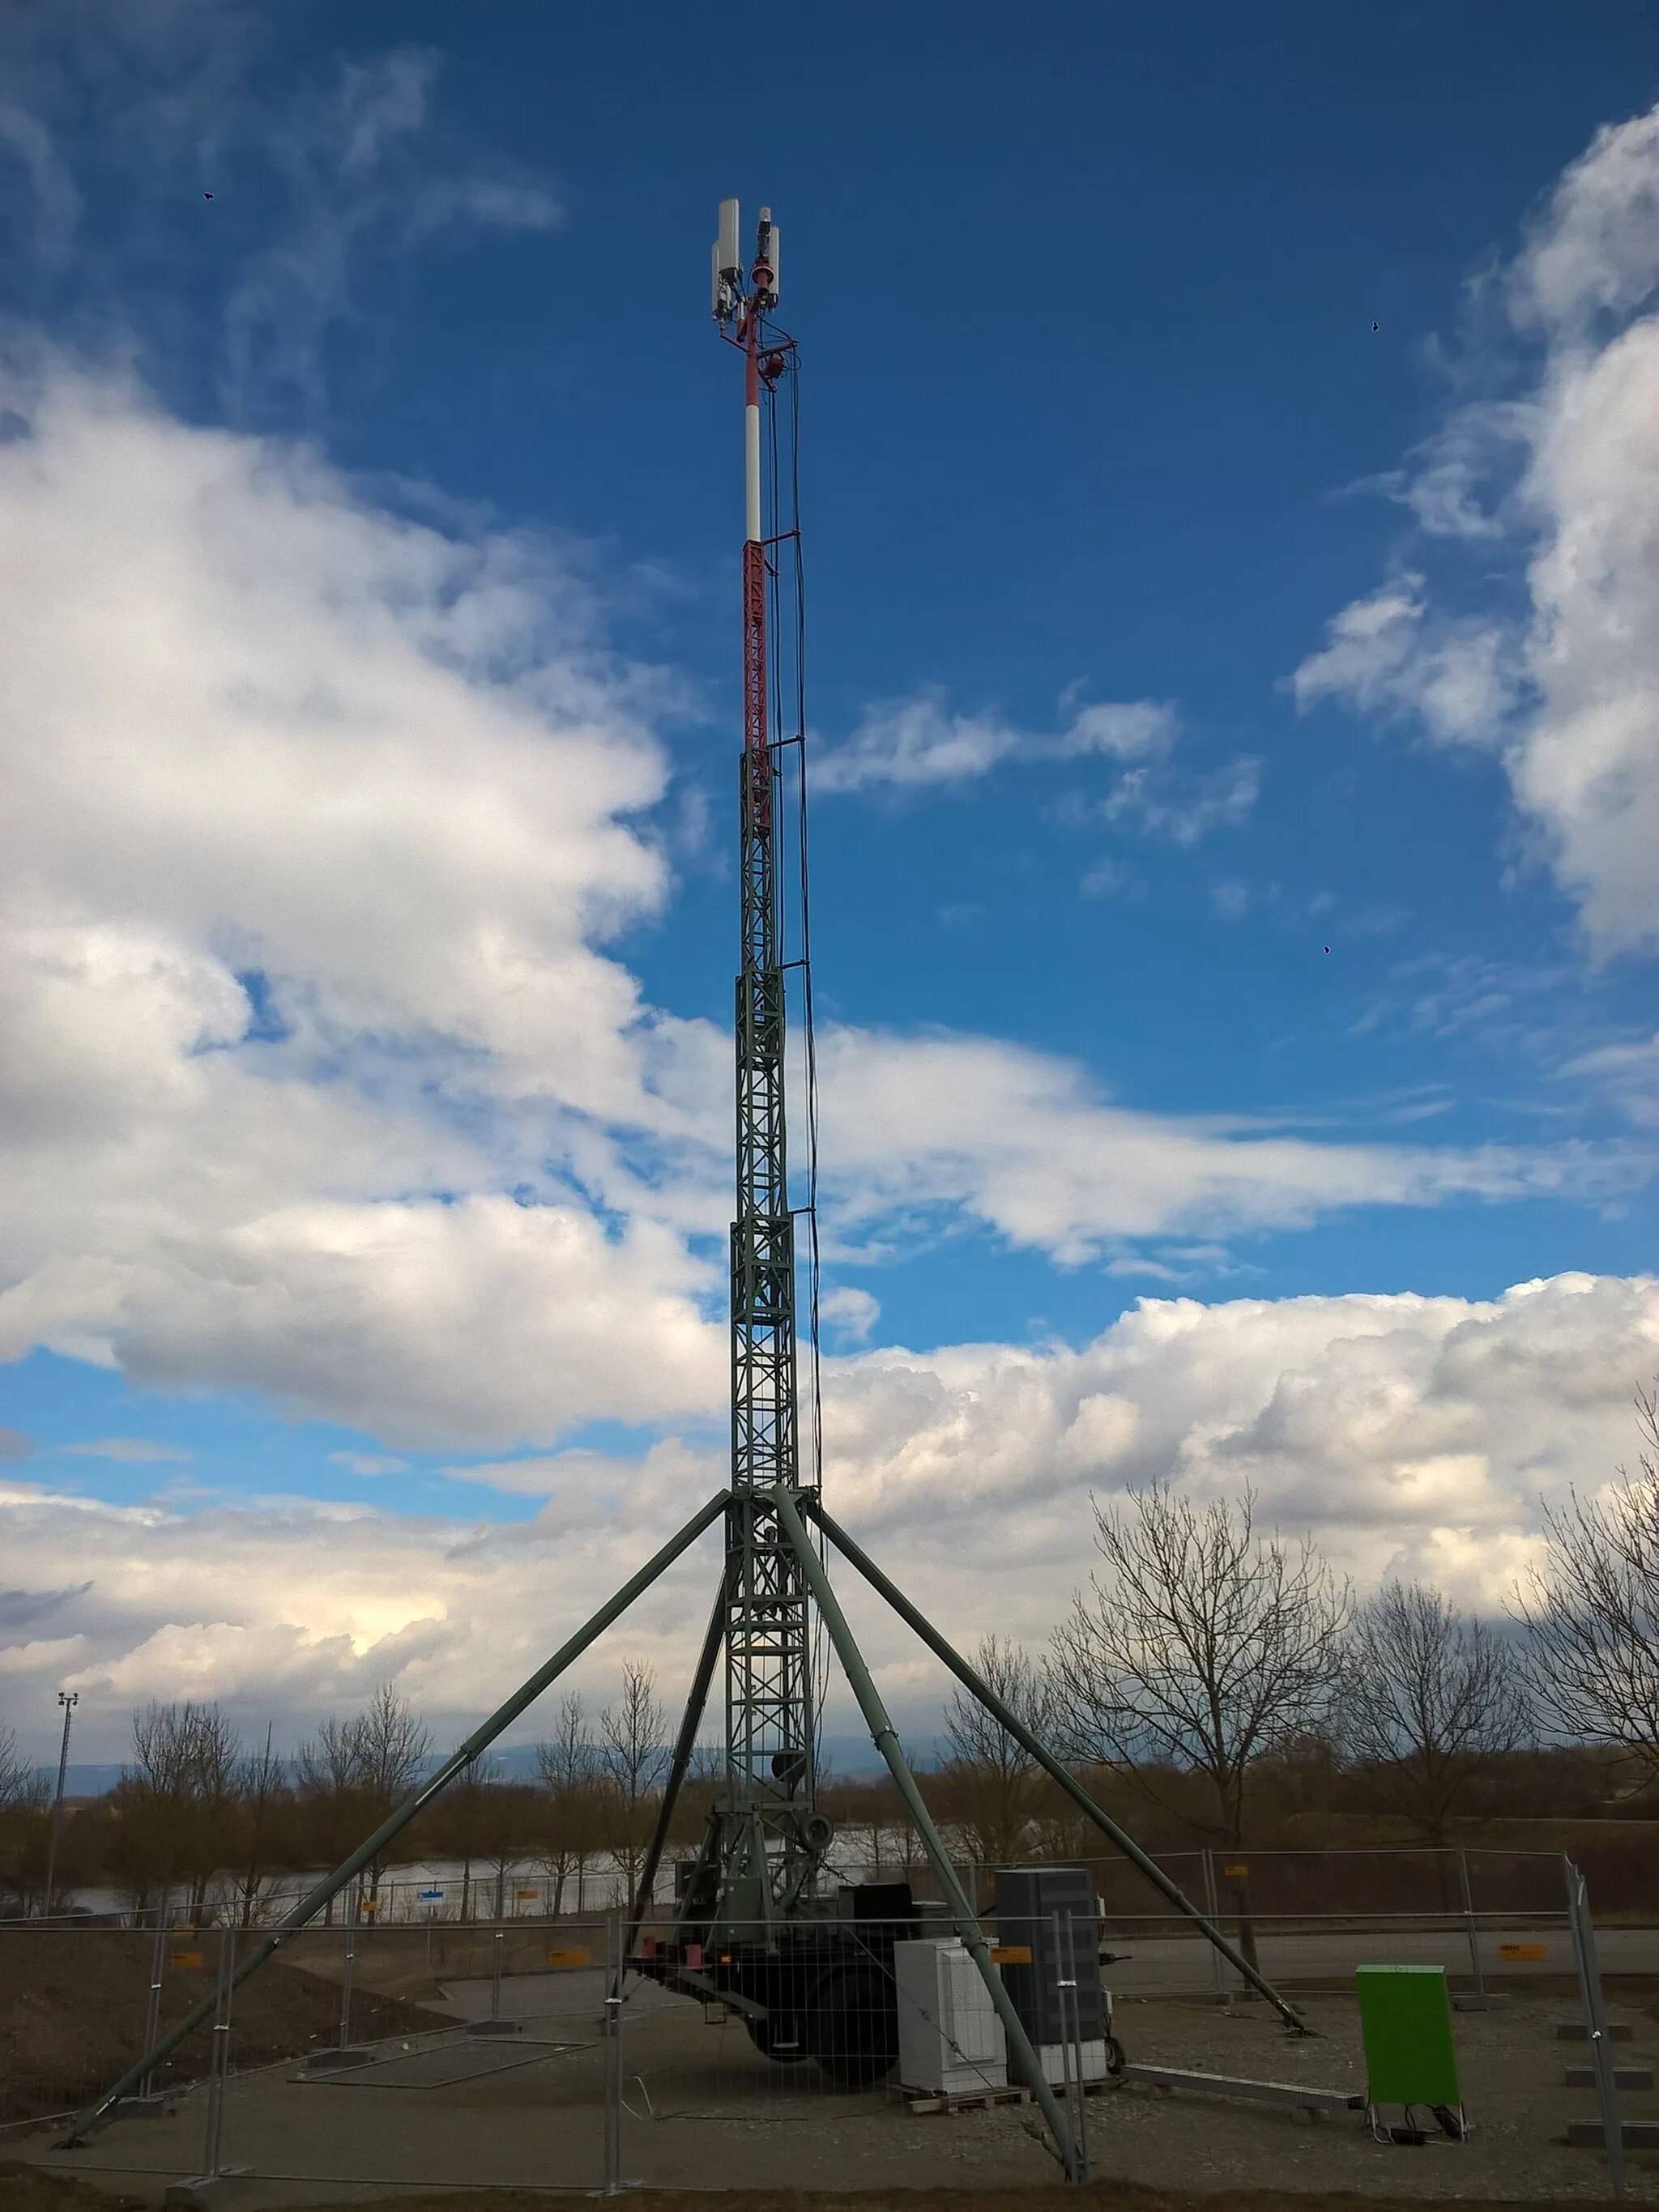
(68, 1699)
(884, 1738)
(1079, 1796)
(332, 1884)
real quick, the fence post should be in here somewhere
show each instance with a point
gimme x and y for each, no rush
(345, 1984)
(497, 1943)
(1469, 1924)
(158, 1960)
(1071, 2038)
(1595, 2019)
(220, 2063)
(613, 2054)
(1212, 1908)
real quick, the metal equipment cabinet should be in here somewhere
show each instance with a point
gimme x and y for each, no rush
(950, 2038)
(1048, 1935)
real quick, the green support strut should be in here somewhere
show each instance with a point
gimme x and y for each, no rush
(332, 1884)
(887, 1743)
(679, 1766)
(1073, 1789)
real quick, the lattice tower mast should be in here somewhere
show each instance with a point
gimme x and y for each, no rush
(767, 1838)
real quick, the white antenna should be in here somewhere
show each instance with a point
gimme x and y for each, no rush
(766, 260)
(729, 252)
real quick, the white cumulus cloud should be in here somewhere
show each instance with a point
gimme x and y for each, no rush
(917, 741)
(313, 1064)
(1569, 690)
(964, 1127)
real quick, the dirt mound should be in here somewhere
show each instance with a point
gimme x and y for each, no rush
(74, 2004)
(27, 2189)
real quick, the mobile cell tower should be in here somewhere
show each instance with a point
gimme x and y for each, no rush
(805, 1962)
(766, 1838)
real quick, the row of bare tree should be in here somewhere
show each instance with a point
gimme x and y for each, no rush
(1205, 1647)
(196, 1812)
(1208, 1660)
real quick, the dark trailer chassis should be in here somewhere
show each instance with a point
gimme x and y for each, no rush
(820, 1988)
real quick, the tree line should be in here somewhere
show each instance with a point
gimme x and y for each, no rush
(1214, 1673)
(1216, 1664)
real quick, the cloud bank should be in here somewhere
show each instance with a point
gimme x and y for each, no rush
(1408, 1434)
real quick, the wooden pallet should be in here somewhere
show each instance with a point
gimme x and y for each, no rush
(965, 2100)
(921, 2103)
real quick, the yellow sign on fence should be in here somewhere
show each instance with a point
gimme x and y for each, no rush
(527, 1894)
(1010, 1954)
(1531, 1955)
(186, 1958)
(1235, 1873)
(567, 1958)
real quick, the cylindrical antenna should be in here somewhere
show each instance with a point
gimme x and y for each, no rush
(719, 297)
(729, 252)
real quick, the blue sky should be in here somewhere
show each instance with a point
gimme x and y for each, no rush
(1149, 357)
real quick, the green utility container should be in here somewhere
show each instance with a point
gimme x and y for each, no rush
(1405, 2017)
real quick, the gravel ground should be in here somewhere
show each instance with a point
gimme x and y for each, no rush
(706, 2111)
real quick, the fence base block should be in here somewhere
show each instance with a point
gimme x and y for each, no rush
(201, 2188)
(1574, 2031)
(494, 2027)
(1637, 2135)
(1624, 2077)
(1480, 2001)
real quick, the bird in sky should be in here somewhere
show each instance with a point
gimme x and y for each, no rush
(1373, 325)
(208, 195)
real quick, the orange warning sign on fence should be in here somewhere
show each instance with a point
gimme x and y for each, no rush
(186, 1958)
(1010, 1954)
(1530, 1954)
(567, 1958)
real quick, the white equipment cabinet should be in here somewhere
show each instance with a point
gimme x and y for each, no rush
(951, 2040)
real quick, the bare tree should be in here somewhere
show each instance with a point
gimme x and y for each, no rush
(459, 1819)
(24, 1794)
(261, 1785)
(1591, 1611)
(991, 1786)
(566, 1764)
(178, 1800)
(356, 1771)
(632, 1759)
(1428, 1699)
(1205, 1645)
(387, 1747)
(20, 1782)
